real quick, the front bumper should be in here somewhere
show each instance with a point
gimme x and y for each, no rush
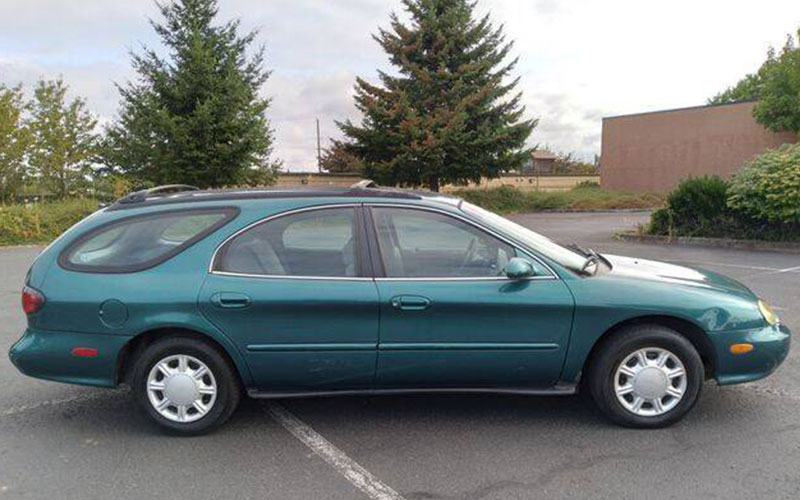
(48, 355)
(771, 346)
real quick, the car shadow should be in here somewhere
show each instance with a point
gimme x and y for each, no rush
(117, 410)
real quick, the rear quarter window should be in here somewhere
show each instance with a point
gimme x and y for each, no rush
(143, 241)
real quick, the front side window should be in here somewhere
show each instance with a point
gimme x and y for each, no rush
(563, 255)
(140, 242)
(317, 243)
(421, 244)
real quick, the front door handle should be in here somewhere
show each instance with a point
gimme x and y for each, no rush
(230, 300)
(411, 303)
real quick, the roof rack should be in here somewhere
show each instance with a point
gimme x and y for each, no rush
(144, 194)
(365, 184)
(175, 194)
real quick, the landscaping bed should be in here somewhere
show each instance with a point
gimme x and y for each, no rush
(588, 197)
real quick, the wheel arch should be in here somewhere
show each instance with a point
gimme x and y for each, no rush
(691, 331)
(134, 347)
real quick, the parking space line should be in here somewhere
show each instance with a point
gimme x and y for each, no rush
(336, 458)
(781, 271)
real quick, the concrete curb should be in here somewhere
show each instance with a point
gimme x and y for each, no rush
(762, 246)
(591, 211)
(32, 245)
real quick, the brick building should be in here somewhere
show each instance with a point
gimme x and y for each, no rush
(655, 151)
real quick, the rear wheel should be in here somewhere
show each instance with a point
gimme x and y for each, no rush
(646, 376)
(185, 385)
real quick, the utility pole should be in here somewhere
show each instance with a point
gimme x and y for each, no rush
(319, 150)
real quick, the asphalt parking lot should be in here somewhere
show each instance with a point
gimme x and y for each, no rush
(60, 441)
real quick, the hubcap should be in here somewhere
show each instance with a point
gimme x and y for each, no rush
(181, 388)
(650, 381)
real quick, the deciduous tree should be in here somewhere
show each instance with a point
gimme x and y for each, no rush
(776, 87)
(63, 139)
(14, 140)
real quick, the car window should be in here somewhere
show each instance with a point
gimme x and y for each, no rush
(139, 242)
(318, 243)
(422, 244)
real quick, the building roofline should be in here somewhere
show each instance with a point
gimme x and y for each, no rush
(673, 110)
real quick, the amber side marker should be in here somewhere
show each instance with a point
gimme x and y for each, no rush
(741, 348)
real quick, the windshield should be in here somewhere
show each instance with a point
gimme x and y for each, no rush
(547, 247)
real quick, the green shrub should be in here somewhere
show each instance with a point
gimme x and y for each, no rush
(587, 185)
(661, 222)
(704, 207)
(41, 222)
(698, 205)
(768, 188)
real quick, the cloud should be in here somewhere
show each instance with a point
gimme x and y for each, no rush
(578, 60)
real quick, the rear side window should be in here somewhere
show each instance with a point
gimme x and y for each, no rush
(141, 242)
(316, 243)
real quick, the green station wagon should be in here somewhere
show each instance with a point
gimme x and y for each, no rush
(195, 297)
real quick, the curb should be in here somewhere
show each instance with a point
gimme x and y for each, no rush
(590, 211)
(31, 245)
(762, 246)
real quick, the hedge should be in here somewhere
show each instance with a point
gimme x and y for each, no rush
(41, 222)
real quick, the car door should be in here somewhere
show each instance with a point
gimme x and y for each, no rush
(450, 318)
(295, 293)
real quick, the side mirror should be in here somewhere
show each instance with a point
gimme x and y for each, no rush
(519, 268)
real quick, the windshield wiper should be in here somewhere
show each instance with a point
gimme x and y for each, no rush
(579, 249)
(592, 258)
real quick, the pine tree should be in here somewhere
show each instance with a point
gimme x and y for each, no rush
(338, 159)
(64, 142)
(196, 116)
(451, 114)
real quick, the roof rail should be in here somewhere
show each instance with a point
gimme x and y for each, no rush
(365, 184)
(140, 196)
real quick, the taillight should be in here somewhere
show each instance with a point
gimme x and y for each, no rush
(32, 300)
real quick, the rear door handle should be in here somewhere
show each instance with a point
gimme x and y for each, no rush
(230, 300)
(411, 303)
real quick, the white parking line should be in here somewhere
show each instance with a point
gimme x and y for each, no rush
(781, 271)
(336, 458)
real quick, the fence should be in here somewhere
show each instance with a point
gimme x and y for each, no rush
(522, 182)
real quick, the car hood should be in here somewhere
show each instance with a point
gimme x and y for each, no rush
(652, 270)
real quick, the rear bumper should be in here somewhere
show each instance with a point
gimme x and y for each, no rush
(48, 355)
(771, 346)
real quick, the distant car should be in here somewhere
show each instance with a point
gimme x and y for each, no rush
(192, 297)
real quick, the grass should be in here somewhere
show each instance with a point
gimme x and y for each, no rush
(507, 200)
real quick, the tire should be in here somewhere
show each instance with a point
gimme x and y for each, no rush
(642, 383)
(185, 357)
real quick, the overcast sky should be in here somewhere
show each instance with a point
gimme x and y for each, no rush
(580, 60)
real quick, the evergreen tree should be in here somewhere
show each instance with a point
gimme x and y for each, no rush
(195, 117)
(63, 139)
(451, 114)
(339, 159)
(14, 140)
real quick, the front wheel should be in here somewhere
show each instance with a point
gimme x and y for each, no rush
(646, 376)
(185, 385)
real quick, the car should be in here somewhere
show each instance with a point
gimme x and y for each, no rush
(194, 298)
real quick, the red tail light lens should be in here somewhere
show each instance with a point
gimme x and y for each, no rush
(32, 300)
